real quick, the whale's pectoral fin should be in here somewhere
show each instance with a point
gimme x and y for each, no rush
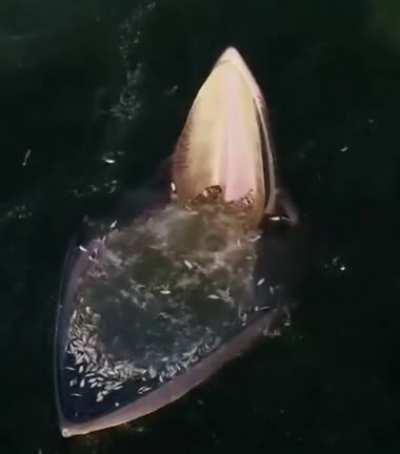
(284, 210)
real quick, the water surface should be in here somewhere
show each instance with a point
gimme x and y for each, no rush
(98, 93)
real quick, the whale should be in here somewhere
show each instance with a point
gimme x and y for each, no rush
(153, 306)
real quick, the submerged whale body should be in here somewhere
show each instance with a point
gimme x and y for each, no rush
(151, 309)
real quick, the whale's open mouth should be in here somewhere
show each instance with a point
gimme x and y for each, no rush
(150, 310)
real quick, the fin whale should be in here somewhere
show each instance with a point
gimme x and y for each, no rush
(152, 309)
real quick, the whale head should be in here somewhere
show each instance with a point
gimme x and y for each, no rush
(225, 143)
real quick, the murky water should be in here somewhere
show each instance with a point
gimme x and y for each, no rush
(93, 98)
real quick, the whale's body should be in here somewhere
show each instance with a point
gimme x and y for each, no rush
(151, 310)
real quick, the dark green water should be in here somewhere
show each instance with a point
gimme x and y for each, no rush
(85, 80)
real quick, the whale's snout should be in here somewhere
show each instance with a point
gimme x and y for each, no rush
(225, 142)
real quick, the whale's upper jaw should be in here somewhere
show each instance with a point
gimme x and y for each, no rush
(225, 141)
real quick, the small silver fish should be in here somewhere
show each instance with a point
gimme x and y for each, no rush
(213, 297)
(143, 389)
(188, 264)
(152, 372)
(26, 157)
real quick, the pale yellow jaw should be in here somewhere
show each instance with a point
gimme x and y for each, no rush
(225, 140)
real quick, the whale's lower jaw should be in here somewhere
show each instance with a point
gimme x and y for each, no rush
(225, 142)
(181, 385)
